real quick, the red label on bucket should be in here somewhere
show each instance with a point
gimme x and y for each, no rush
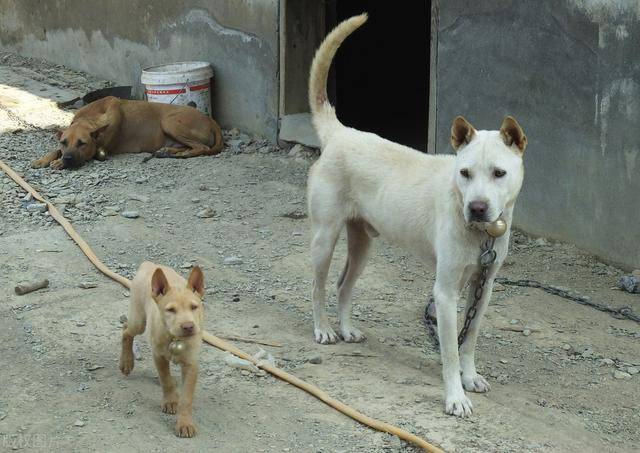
(199, 87)
(178, 91)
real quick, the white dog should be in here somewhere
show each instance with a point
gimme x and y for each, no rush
(434, 206)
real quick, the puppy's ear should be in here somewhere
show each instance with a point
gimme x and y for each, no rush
(96, 133)
(159, 284)
(512, 134)
(196, 281)
(461, 132)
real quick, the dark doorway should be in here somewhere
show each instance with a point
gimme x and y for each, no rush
(382, 70)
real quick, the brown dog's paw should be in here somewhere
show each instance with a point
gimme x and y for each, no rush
(185, 428)
(57, 164)
(170, 407)
(126, 364)
(40, 163)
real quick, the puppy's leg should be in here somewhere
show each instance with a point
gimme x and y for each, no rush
(135, 325)
(45, 160)
(170, 402)
(358, 245)
(184, 425)
(446, 293)
(322, 245)
(471, 380)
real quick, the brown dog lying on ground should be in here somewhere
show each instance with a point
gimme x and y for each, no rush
(114, 126)
(173, 310)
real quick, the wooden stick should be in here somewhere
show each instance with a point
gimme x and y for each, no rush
(21, 290)
(251, 340)
(518, 329)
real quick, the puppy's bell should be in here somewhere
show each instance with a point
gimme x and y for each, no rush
(177, 347)
(102, 154)
(497, 228)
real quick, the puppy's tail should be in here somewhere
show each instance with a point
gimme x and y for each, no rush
(322, 112)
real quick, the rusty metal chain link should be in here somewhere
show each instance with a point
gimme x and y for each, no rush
(618, 313)
(487, 258)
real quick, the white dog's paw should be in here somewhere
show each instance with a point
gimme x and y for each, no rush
(325, 335)
(458, 405)
(475, 383)
(352, 335)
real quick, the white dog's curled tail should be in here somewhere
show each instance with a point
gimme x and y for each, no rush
(322, 112)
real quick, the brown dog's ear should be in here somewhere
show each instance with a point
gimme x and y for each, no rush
(461, 132)
(159, 284)
(512, 134)
(196, 281)
(96, 133)
(58, 134)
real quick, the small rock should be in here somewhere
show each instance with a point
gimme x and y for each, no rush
(136, 351)
(78, 423)
(186, 266)
(203, 187)
(206, 213)
(37, 207)
(621, 375)
(526, 332)
(87, 285)
(513, 321)
(80, 323)
(504, 361)
(109, 213)
(233, 260)
(316, 360)
(606, 361)
(195, 200)
(633, 370)
(296, 151)
(141, 180)
(28, 197)
(566, 347)
(130, 214)
(245, 373)
(628, 283)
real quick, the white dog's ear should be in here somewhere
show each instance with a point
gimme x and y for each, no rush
(159, 284)
(512, 134)
(461, 132)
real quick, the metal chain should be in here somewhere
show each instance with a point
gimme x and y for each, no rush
(618, 313)
(487, 258)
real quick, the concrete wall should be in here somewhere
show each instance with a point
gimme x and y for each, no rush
(115, 39)
(568, 70)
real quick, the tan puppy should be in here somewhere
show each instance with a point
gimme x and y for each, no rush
(115, 126)
(173, 309)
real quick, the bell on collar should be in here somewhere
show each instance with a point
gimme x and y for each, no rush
(177, 347)
(497, 228)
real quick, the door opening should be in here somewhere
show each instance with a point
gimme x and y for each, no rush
(382, 70)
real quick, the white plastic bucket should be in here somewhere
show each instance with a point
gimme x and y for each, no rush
(183, 83)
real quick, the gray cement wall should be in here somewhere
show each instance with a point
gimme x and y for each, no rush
(568, 71)
(115, 39)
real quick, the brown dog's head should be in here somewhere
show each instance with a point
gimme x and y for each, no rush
(181, 307)
(79, 143)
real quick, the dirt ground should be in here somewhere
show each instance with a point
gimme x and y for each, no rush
(571, 385)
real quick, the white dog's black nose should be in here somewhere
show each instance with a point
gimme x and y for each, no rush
(478, 210)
